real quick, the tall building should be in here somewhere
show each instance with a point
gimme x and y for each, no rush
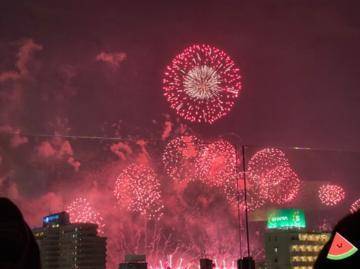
(288, 245)
(66, 245)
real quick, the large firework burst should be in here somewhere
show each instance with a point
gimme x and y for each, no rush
(216, 163)
(331, 195)
(81, 211)
(202, 83)
(137, 189)
(179, 155)
(264, 162)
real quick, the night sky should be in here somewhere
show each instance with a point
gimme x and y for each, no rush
(94, 69)
(298, 60)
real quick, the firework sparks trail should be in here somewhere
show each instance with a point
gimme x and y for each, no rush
(355, 206)
(202, 84)
(182, 263)
(331, 195)
(81, 211)
(137, 189)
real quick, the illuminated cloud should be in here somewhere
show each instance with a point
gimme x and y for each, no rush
(143, 157)
(9, 75)
(16, 138)
(11, 99)
(114, 59)
(121, 150)
(167, 129)
(24, 55)
(57, 149)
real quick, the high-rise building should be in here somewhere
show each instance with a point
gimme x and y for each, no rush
(288, 245)
(288, 249)
(65, 245)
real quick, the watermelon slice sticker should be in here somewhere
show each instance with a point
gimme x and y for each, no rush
(341, 248)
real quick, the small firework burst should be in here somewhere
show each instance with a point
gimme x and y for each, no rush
(81, 211)
(202, 83)
(355, 206)
(216, 163)
(137, 189)
(331, 195)
(178, 157)
(281, 185)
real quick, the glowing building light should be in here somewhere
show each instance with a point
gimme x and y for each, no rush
(286, 219)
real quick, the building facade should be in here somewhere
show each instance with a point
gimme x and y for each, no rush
(65, 245)
(288, 245)
(293, 249)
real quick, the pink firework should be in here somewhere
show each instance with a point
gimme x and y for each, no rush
(281, 185)
(331, 195)
(263, 162)
(355, 206)
(179, 155)
(235, 190)
(137, 189)
(216, 163)
(202, 84)
(81, 211)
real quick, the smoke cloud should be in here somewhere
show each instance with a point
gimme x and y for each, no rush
(113, 59)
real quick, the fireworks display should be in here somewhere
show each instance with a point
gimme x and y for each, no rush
(179, 155)
(265, 160)
(269, 179)
(81, 211)
(281, 185)
(234, 190)
(355, 206)
(151, 137)
(181, 263)
(272, 177)
(202, 84)
(138, 190)
(216, 163)
(331, 195)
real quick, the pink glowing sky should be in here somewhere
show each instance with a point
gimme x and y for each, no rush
(72, 74)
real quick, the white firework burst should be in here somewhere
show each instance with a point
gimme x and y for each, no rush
(202, 82)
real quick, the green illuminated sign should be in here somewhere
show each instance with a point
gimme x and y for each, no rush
(286, 219)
